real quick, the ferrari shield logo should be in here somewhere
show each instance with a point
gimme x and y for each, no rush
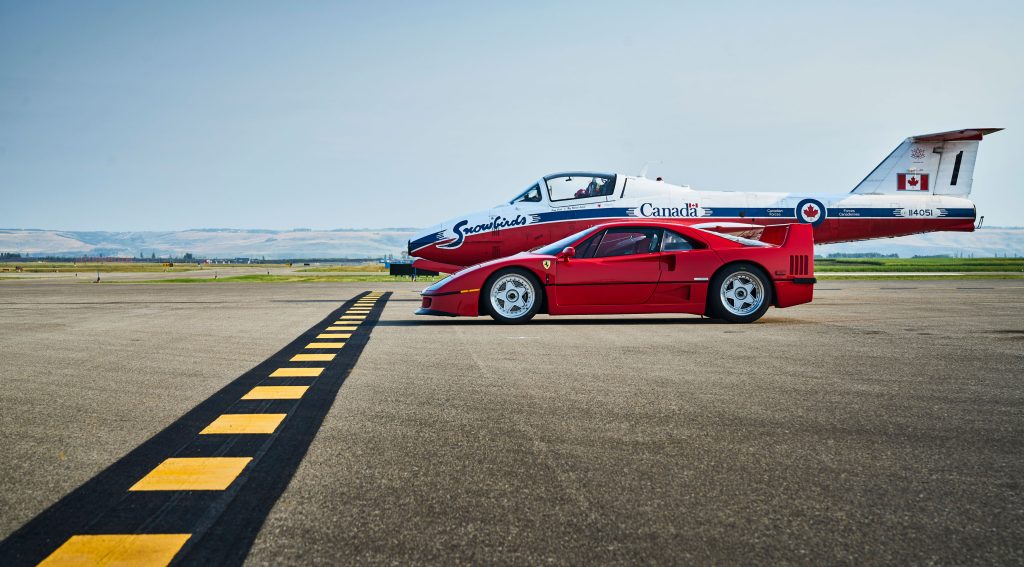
(547, 264)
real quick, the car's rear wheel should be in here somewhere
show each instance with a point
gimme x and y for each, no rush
(740, 293)
(512, 295)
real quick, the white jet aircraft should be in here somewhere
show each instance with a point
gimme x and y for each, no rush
(922, 186)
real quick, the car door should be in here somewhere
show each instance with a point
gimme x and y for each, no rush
(686, 266)
(617, 266)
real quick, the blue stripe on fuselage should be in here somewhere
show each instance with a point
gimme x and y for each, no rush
(835, 212)
(746, 213)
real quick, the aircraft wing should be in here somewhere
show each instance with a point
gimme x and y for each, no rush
(441, 267)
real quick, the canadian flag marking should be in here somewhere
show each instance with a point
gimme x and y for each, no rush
(912, 182)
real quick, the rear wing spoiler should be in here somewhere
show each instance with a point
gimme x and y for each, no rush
(783, 234)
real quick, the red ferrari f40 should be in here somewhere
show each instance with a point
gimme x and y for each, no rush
(637, 267)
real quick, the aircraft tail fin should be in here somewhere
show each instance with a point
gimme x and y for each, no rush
(928, 164)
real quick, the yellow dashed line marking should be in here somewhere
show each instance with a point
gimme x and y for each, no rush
(324, 357)
(244, 423)
(207, 473)
(195, 473)
(275, 393)
(334, 336)
(144, 550)
(296, 372)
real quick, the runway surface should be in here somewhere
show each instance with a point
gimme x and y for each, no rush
(883, 423)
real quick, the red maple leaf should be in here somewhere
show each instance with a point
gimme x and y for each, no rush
(912, 182)
(810, 211)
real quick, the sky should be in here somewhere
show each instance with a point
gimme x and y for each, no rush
(133, 116)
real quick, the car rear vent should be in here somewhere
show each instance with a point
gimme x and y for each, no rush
(799, 265)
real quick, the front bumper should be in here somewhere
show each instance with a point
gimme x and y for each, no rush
(451, 304)
(424, 311)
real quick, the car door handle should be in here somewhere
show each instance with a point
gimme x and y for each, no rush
(670, 262)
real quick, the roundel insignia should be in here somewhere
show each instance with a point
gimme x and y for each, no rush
(547, 264)
(810, 211)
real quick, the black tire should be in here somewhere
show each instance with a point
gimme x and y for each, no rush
(521, 289)
(739, 293)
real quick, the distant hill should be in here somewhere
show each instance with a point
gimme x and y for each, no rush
(210, 243)
(985, 242)
(344, 243)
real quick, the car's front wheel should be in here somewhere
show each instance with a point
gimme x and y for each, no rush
(741, 293)
(512, 295)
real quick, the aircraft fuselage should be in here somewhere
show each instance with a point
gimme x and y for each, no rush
(519, 226)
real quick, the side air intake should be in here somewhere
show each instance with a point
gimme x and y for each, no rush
(799, 265)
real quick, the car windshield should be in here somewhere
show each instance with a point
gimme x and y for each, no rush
(556, 247)
(531, 195)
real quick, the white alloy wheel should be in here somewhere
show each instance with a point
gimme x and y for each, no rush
(513, 296)
(742, 293)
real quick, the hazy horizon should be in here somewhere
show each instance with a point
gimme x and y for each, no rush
(336, 243)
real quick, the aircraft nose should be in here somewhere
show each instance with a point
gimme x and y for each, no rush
(424, 238)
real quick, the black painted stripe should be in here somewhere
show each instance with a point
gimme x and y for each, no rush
(224, 523)
(956, 168)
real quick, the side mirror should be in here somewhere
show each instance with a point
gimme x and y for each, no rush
(567, 252)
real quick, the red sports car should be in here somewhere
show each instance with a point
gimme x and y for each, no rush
(637, 267)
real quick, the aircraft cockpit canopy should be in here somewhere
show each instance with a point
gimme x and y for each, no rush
(568, 187)
(579, 185)
(531, 195)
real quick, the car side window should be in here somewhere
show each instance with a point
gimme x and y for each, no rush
(587, 248)
(627, 241)
(674, 242)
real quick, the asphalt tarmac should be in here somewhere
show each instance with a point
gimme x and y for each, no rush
(881, 424)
